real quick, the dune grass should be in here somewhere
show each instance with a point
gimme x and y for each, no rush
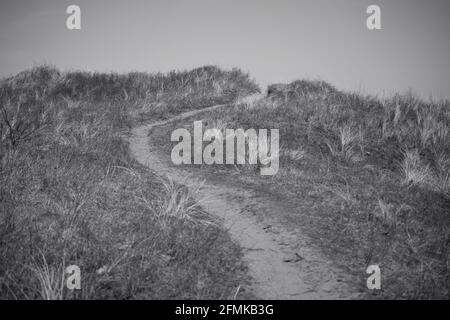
(369, 178)
(71, 195)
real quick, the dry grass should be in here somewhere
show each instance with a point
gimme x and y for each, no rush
(370, 180)
(70, 193)
(415, 172)
(51, 279)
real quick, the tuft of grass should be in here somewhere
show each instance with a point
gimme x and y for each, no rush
(415, 172)
(182, 202)
(346, 146)
(51, 279)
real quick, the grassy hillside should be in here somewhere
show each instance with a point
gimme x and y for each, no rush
(71, 194)
(370, 178)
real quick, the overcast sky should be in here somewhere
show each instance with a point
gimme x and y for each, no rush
(274, 40)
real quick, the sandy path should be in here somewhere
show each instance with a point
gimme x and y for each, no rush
(282, 264)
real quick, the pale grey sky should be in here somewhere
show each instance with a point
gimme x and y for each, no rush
(274, 40)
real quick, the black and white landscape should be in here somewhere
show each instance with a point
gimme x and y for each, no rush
(226, 150)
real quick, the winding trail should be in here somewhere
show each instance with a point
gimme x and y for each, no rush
(283, 264)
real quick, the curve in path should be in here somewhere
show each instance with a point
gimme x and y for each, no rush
(281, 263)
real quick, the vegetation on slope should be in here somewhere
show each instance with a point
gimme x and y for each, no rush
(71, 194)
(370, 178)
